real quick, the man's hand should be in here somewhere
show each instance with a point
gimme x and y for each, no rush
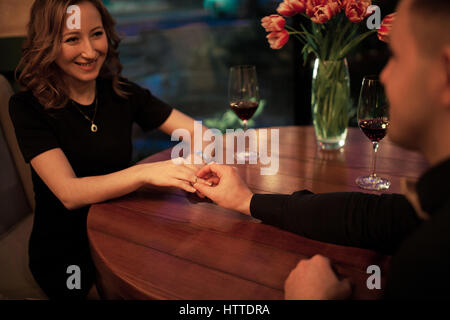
(314, 279)
(196, 162)
(229, 190)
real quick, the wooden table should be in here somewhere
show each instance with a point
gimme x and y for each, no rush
(158, 243)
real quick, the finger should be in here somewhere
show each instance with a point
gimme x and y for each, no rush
(200, 180)
(289, 278)
(205, 171)
(346, 283)
(215, 168)
(345, 289)
(190, 177)
(320, 258)
(208, 175)
(211, 177)
(213, 180)
(288, 284)
(302, 262)
(205, 190)
(186, 174)
(201, 195)
(184, 185)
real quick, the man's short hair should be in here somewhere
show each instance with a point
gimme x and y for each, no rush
(430, 21)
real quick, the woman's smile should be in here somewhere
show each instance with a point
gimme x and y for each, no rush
(88, 66)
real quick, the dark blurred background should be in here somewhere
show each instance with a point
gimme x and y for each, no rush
(182, 50)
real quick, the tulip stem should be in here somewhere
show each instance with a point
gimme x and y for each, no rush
(297, 32)
(289, 27)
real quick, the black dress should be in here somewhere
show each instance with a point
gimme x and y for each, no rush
(59, 238)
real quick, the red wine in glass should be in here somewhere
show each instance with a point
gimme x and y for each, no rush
(243, 99)
(375, 129)
(373, 119)
(244, 109)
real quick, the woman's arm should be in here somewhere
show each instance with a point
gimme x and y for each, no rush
(178, 120)
(57, 173)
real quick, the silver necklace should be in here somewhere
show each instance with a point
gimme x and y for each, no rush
(94, 127)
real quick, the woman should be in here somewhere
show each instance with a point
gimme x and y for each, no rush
(73, 125)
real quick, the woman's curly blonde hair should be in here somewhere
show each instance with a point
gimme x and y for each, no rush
(37, 69)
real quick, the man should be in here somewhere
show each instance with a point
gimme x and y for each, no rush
(417, 82)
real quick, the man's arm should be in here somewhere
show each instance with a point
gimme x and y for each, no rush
(353, 219)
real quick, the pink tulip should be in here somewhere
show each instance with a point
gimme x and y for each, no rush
(386, 27)
(289, 8)
(298, 5)
(320, 11)
(322, 14)
(335, 6)
(277, 39)
(273, 22)
(313, 5)
(367, 2)
(356, 10)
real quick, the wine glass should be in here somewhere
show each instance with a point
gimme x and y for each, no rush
(243, 96)
(373, 119)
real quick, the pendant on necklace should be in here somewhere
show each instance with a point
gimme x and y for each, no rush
(94, 127)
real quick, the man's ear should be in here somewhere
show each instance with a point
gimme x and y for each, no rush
(446, 69)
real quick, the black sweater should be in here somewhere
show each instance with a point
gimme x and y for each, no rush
(59, 236)
(386, 223)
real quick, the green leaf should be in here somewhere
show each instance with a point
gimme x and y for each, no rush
(312, 41)
(338, 41)
(352, 44)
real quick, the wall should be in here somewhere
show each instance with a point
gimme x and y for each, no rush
(14, 16)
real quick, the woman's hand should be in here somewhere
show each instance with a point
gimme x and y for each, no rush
(171, 174)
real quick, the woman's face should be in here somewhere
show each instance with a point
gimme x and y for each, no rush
(83, 50)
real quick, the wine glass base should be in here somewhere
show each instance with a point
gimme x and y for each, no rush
(373, 183)
(247, 156)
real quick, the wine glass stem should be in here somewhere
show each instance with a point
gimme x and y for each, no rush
(245, 144)
(374, 158)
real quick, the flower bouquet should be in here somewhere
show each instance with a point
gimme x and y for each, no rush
(332, 34)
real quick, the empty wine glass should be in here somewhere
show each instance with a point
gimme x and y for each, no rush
(373, 119)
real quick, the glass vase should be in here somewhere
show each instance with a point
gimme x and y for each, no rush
(330, 102)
